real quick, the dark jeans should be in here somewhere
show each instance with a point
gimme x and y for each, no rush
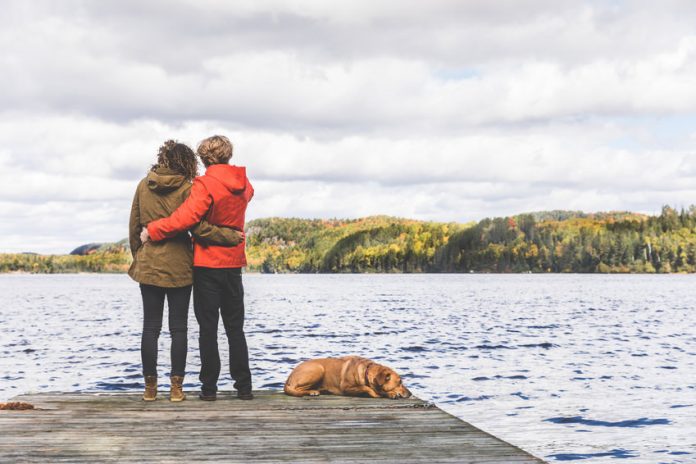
(153, 308)
(219, 292)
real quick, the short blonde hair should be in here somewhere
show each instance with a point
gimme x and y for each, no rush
(215, 150)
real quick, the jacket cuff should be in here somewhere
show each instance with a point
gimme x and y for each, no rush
(154, 232)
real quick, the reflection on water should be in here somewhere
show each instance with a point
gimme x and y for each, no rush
(568, 367)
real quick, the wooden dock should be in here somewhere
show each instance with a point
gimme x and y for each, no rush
(91, 427)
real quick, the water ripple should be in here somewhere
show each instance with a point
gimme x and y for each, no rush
(571, 367)
(642, 422)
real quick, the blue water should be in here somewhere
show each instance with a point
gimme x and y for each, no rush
(569, 367)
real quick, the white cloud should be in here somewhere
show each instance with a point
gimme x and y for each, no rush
(495, 172)
(440, 110)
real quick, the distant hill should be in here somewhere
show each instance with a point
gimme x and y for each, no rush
(545, 241)
(88, 249)
(572, 242)
(372, 244)
(91, 248)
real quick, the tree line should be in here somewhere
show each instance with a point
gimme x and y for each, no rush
(103, 262)
(374, 244)
(600, 243)
(550, 241)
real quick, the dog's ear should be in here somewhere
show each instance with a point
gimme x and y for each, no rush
(383, 376)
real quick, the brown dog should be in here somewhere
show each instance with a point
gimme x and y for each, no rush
(348, 376)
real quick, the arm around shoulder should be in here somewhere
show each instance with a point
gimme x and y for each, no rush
(210, 234)
(190, 213)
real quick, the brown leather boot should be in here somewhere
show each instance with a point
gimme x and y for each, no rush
(177, 392)
(150, 388)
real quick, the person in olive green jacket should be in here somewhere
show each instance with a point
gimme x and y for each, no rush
(165, 269)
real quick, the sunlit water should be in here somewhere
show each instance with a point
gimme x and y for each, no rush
(568, 367)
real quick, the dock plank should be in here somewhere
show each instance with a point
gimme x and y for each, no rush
(97, 427)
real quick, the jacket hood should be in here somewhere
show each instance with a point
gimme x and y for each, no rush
(232, 177)
(163, 180)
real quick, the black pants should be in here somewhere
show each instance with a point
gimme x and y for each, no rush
(153, 308)
(219, 292)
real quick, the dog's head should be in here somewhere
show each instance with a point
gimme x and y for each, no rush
(388, 383)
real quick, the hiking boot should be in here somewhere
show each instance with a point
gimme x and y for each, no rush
(245, 395)
(150, 388)
(176, 393)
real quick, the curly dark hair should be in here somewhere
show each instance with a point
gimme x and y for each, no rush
(178, 157)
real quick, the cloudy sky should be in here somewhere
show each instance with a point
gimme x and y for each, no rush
(441, 110)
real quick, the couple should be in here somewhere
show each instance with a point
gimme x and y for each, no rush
(187, 230)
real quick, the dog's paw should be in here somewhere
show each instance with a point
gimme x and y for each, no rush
(314, 392)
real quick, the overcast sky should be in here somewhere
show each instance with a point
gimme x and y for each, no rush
(439, 110)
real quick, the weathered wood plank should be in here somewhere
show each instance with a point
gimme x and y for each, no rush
(69, 427)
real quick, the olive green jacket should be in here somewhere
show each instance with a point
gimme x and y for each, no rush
(168, 263)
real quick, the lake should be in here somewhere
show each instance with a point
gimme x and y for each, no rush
(567, 367)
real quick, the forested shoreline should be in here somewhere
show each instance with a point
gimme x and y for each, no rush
(553, 241)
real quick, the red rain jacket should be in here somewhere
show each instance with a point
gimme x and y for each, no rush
(221, 197)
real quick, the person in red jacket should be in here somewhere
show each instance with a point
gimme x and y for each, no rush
(221, 197)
